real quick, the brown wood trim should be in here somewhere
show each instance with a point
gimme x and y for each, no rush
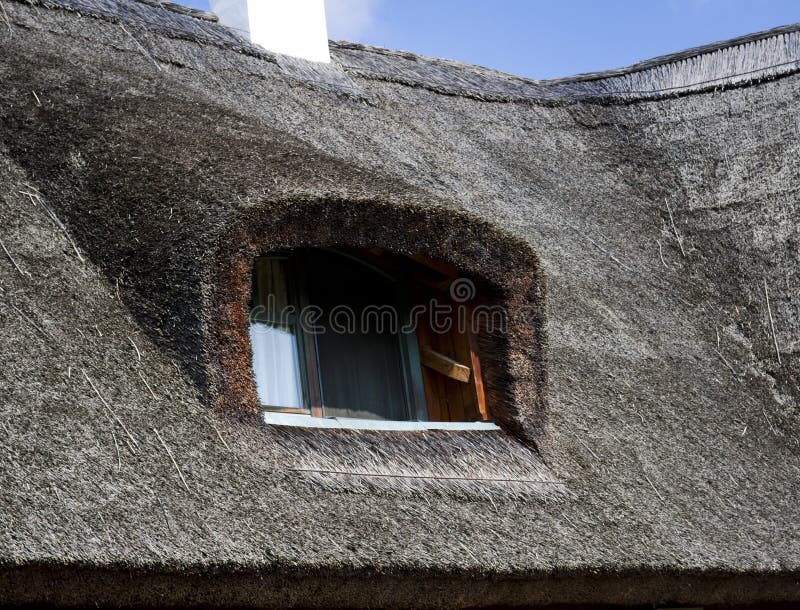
(444, 364)
(477, 374)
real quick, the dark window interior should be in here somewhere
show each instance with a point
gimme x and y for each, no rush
(362, 372)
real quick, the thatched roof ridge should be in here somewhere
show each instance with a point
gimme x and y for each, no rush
(164, 17)
(667, 230)
(744, 59)
(752, 57)
(679, 56)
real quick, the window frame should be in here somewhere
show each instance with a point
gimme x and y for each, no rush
(307, 345)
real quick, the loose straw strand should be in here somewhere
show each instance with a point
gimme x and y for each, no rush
(174, 463)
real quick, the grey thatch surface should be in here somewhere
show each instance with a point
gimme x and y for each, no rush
(127, 154)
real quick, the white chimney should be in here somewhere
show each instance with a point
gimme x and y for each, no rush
(289, 27)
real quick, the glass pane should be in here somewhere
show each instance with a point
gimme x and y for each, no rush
(361, 365)
(276, 365)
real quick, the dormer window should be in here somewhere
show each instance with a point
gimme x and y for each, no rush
(363, 335)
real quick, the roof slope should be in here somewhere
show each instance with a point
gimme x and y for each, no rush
(126, 154)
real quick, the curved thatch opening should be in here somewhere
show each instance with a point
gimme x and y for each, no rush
(505, 270)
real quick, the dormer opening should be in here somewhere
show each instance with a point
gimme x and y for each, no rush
(406, 255)
(365, 334)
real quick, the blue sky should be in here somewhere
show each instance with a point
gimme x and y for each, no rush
(542, 39)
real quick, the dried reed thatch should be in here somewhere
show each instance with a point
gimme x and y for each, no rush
(649, 451)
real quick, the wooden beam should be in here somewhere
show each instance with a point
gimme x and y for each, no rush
(477, 374)
(444, 365)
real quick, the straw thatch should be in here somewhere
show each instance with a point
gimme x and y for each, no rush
(649, 451)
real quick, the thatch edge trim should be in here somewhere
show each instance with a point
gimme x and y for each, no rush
(678, 56)
(223, 586)
(649, 80)
(449, 77)
(640, 66)
(178, 25)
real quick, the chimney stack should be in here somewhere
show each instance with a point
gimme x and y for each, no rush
(289, 27)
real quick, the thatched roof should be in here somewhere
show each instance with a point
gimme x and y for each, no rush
(650, 452)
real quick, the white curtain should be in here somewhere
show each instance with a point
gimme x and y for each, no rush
(276, 366)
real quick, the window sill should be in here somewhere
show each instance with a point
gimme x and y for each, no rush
(350, 423)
